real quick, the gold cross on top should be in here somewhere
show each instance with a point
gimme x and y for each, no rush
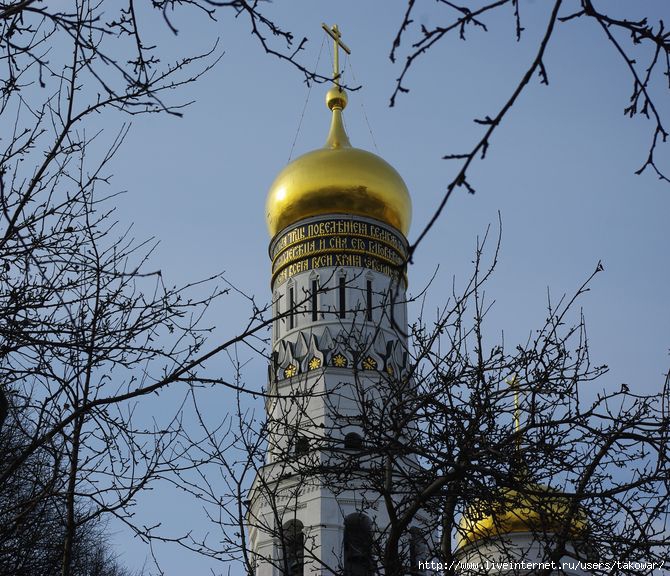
(514, 384)
(334, 33)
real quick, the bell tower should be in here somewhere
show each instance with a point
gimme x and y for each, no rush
(337, 218)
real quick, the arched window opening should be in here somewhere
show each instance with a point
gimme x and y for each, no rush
(301, 446)
(357, 545)
(353, 441)
(315, 300)
(276, 297)
(368, 301)
(291, 303)
(293, 548)
(418, 551)
(343, 294)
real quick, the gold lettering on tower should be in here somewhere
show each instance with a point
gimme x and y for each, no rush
(337, 242)
(322, 261)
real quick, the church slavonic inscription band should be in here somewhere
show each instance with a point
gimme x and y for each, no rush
(337, 243)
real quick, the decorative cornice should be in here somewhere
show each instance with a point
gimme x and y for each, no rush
(311, 353)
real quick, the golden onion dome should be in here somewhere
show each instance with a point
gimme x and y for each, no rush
(338, 179)
(536, 509)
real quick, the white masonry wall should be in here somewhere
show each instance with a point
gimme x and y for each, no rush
(321, 363)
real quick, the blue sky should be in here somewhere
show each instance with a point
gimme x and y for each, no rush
(560, 171)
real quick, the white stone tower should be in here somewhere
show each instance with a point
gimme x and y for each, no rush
(337, 217)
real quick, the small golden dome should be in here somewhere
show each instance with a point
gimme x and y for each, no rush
(537, 508)
(338, 179)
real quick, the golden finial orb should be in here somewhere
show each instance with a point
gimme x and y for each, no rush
(336, 98)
